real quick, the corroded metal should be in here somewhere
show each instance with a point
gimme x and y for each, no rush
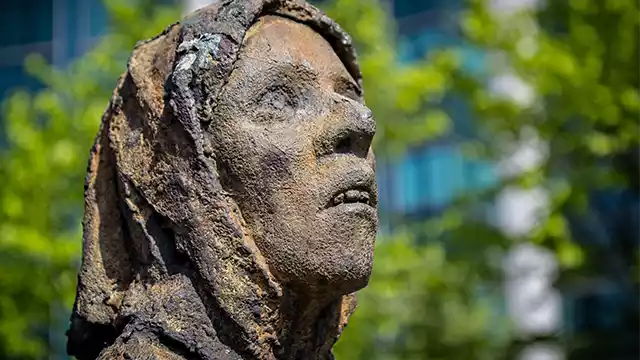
(230, 201)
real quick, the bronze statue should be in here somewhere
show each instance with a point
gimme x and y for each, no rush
(230, 201)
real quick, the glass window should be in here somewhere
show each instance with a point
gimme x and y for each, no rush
(410, 188)
(403, 8)
(98, 18)
(473, 59)
(40, 25)
(11, 25)
(25, 22)
(479, 175)
(407, 8)
(404, 191)
(428, 178)
(414, 47)
(72, 27)
(13, 77)
(384, 195)
(460, 113)
(384, 185)
(445, 174)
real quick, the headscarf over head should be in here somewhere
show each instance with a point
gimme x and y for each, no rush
(164, 246)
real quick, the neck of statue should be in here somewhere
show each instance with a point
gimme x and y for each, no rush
(268, 320)
(307, 327)
(297, 327)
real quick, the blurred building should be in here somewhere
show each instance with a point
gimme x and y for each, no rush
(417, 186)
(429, 177)
(590, 315)
(59, 30)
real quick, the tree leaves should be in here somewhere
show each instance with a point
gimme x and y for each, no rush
(579, 97)
(49, 134)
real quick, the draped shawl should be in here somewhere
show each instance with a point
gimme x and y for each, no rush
(165, 248)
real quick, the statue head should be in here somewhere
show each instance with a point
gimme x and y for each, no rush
(234, 160)
(292, 141)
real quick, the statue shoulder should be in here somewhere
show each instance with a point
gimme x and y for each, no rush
(139, 346)
(166, 321)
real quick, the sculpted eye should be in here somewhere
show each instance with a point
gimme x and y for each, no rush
(347, 88)
(278, 97)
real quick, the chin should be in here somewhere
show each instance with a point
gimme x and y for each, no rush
(343, 268)
(331, 272)
(332, 255)
(348, 282)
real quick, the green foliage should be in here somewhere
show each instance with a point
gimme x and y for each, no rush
(580, 61)
(423, 303)
(394, 91)
(42, 173)
(423, 300)
(585, 78)
(582, 65)
(435, 290)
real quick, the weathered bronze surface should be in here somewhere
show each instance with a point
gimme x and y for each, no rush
(230, 200)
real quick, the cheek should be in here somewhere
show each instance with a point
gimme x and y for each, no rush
(284, 180)
(268, 167)
(276, 165)
(264, 176)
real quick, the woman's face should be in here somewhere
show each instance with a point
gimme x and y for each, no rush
(293, 144)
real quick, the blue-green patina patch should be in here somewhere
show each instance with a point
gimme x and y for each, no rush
(200, 52)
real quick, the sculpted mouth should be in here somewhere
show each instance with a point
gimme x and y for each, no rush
(352, 196)
(353, 188)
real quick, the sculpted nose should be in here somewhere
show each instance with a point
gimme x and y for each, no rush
(349, 132)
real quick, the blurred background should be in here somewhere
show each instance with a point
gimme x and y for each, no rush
(507, 150)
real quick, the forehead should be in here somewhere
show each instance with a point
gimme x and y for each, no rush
(277, 40)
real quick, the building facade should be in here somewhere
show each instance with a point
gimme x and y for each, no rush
(59, 30)
(417, 186)
(587, 319)
(429, 177)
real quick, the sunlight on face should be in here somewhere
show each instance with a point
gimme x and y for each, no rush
(294, 145)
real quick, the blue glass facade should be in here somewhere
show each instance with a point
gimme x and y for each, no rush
(58, 30)
(24, 30)
(428, 178)
(604, 307)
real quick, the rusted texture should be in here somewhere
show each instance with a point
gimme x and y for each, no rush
(230, 200)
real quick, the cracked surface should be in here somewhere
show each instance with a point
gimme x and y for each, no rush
(211, 226)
